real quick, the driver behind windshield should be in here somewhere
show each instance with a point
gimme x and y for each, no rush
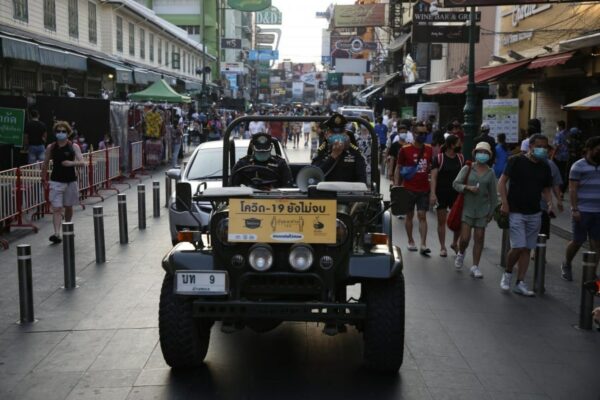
(338, 158)
(261, 169)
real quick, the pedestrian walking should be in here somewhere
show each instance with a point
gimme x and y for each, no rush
(484, 136)
(64, 191)
(444, 169)
(176, 140)
(414, 164)
(481, 199)
(35, 138)
(584, 194)
(528, 178)
(561, 152)
(502, 153)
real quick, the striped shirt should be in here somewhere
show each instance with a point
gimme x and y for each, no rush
(588, 191)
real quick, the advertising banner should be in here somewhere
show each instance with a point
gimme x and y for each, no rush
(12, 124)
(297, 89)
(348, 65)
(353, 80)
(282, 220)
(350, 16)
(233, 67)
(425, 110)
(502, 115)
(263, 55)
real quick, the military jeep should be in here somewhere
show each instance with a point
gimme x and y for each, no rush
(281, 255)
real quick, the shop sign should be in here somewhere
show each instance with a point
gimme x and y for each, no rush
(263, 55)
(406, 113)
(12, 124)
(334, 80)
(232, 67)
(485, 3)
(502, 115)
(520, 13)
(249, 5)
(443, 34)
(270, 16)
(509, 39)
(355, 45)
(445, 16)
(350, 16)
(231, 43)
(265, 38)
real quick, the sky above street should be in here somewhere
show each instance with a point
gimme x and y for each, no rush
(301, 30)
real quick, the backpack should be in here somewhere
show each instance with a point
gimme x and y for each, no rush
(440, 159)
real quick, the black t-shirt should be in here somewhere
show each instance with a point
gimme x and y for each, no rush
(447, 174)
(35, 130)
(527, 180)
(59, 154)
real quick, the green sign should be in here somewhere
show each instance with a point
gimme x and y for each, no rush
(334, 80)
(12, 124)
(249, 5)
(406, 112)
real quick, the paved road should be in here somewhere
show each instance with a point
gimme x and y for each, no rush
(464, 339)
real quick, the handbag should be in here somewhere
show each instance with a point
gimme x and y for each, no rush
(408, 172)
(455, 215)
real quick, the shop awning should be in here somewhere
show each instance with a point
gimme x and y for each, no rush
(591, 103)
(123, 74)
(374, 90)
(62, 59)
(414, 89)
(399, 42)
(19, 49)
(550, 60)
(482, 75)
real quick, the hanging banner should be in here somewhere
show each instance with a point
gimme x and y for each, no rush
(12, 124)
(350, 16)
(502, 115)
(297, 89)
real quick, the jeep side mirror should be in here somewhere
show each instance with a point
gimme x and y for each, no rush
(174, 173)
(183, 196)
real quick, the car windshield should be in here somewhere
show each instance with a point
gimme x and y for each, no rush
(208, 163)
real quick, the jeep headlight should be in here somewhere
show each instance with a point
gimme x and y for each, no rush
(223, 230)
(341, 232)
(301, 257)
(260, 257)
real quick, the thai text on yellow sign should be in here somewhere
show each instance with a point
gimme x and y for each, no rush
(282, 220)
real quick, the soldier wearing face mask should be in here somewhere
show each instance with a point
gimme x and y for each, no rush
(261, 169)
(340, 159)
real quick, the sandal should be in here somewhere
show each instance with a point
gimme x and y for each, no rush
(412, 247)
(424, 251)
(453, 247)
(443, 253)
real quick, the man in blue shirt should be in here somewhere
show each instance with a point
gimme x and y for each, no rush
(561, 153)
(381, 130)
(584, 193)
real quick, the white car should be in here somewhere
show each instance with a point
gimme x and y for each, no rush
(205, 168)
(354, 111)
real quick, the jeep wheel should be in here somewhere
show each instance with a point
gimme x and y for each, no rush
(263, 325)
(383, 334)
(183, 339)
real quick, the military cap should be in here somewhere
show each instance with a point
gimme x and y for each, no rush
(336, 123)
(261, 142)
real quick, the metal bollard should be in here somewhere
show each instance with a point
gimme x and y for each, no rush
(539, 273)
(123, 235)
(505, 247)
(586, 303)
(168, 190)
(141, 207)
(156, 198)
(25, 286)
(99, 235)
(69, 254)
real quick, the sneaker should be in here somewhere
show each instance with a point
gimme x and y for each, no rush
(505, 281)
(458, 261)
(55, 239)
(476, 272)
(521, 288)
(566, 272)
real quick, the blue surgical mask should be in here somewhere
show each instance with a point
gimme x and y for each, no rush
(421, 138)
(540, 153)
(61, 136)
(262, 155)
(338, 137)
(402, 136)
(482, 157)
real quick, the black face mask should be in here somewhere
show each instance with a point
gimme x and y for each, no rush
(457, 149)
(596, 158)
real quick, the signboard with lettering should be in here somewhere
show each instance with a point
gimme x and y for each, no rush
(12, 124)
(349, 16)
(265, 38)
(270, 16)
(231, 43)
(282, 220)
(263, 55)
(502, 115)
(232, 67)
(484, 3)
(443, 34)
(445, 16)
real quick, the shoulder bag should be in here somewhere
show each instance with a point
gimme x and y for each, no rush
(455, 215)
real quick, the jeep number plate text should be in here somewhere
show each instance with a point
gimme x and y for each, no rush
(201, 282)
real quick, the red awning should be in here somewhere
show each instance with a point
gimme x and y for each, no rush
(459, 85)
(550, 60)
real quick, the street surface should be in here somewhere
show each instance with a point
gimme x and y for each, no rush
(464, 338)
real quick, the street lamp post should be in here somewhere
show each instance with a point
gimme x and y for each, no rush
(471, 105)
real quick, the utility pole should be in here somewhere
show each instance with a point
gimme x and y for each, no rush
(471, 105)
(203, 29)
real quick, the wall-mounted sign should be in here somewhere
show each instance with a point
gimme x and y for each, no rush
(249, 5)
(270, 16)
(232, 67)
(263, 55)
(520, 13)
(349, 16)
(484, 3)
(12, 124)
(265, 38)
(355, 45)
(442, 34)
(231, 43)
(445, 16)
(502, 115)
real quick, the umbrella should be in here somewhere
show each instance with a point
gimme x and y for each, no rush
(160, 91)
(591, 103)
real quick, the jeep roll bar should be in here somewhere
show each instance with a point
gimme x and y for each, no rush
(375, 177)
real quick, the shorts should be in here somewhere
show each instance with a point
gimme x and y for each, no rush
(524, 229)
(588, 226)
(475, 222)
(63, 194)
(420, 199)
(446, 199)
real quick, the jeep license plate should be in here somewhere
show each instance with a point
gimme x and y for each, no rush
(201, 282)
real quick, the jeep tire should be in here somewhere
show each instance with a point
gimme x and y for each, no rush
(383, 333)
(183, 339)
